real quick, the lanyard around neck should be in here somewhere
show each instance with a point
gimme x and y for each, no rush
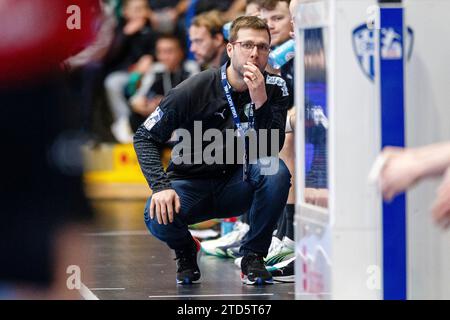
(236, 120)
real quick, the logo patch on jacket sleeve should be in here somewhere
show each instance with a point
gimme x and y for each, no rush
(279, 82)
(153, 119)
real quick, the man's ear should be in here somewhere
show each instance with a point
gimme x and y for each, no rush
(218, 38)
(229, 50)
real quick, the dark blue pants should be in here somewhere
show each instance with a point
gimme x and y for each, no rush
(263, 196)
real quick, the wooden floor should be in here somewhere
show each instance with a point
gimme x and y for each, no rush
(129, 263)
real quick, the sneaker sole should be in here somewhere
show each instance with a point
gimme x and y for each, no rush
(278, 258)
(256, 282)
(187, 281)
(285, 279)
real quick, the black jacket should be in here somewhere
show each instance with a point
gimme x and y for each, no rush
(201, 98)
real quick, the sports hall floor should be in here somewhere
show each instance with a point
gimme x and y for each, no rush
(127, 263)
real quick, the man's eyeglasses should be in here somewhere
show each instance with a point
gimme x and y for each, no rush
(247, 46)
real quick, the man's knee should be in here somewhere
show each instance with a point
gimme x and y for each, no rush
(147, 210)
(283, 176)
(155, 227)
(274, 167)
(152, 224)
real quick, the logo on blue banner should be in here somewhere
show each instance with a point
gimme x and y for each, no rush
(391, 44)
(364, 46)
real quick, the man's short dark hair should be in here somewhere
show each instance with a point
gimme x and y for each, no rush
(211, 20)
(247, 22)
(271, 4)
(172, 37)
(127, 2)
(257, 2)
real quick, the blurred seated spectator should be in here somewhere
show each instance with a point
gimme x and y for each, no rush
(166, 16)
(230, 9)
(163, 14)
(131, 51)
(165, 74)
(134, 37)
(207, 41)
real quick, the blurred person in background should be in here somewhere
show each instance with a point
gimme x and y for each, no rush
(164, 15)
(229, 9)
(278, 17)
(85, 72)
(207, 41)
(132, 50)
(167, 72)
(44, 208)
(167, 16)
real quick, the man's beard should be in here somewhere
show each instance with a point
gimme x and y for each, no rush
(210, 57)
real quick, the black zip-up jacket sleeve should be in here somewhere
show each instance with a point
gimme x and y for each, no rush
(149, 156)
(156, 130)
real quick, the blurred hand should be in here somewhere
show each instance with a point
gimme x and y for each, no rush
(441, 206)
(144, 106)
(134, 26)
(400, 171)
(139, 105)
(143, 64)
(153, 103)
(164, 204)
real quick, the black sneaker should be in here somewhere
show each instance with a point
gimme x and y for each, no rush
(284, 271)
(254, 271)
(188, 270)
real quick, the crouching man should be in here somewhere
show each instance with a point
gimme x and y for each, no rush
(241, 97)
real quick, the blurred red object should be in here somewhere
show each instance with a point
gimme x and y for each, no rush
(36, 35)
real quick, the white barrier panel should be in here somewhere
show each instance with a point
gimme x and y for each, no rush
(340, 242)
